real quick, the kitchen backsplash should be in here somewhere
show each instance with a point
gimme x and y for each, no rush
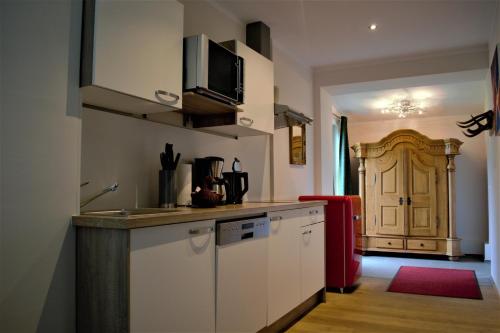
(127, 151)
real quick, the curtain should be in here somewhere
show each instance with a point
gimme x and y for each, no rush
(344, 168)
(335, 154)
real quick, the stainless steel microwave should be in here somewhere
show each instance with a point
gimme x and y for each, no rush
(212, 70)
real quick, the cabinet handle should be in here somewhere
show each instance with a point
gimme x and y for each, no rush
(408, 201)
(169, 94)
(238, 89)
(401, 200)
(307, 232)
(201, 231)
(389, 243)
(276, 218)
(245, 121)
(422, 244)
(356, 217)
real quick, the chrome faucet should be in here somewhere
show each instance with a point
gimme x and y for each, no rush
(111, 188)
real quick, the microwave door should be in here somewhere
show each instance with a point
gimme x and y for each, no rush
(223, 71)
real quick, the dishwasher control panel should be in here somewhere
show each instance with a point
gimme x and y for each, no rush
(235, 231)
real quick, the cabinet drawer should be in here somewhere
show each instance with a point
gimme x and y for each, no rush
(390, 243)
(421, 244)
(316, 214)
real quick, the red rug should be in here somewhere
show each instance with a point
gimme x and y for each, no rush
(461, 283)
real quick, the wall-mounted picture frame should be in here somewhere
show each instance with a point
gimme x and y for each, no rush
(298, 144)
(495, 86)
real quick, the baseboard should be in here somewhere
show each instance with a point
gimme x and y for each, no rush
(288, 320)
(475, 246)
(495, 286)
(487, 251)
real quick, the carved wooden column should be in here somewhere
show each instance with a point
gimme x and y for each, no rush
(362, 179)
(452, 232)
(453, 251)
(360, 153)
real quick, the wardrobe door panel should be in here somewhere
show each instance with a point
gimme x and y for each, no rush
(389, 187)
(422, 218)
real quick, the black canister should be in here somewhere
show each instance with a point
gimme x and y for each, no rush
(167, 189)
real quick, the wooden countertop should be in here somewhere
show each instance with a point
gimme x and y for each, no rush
(185, 214)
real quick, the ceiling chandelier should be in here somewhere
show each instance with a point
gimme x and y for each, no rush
(403, 107)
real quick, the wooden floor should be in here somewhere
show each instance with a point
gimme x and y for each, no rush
(371, 309)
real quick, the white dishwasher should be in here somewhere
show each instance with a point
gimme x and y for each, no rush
(242, 275)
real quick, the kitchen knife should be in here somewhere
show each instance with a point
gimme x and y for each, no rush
(169, 151)
(163, 160)
(177, 158)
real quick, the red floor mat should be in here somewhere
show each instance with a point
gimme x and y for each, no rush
(459, 283)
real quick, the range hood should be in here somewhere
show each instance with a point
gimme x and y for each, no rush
(284, 116)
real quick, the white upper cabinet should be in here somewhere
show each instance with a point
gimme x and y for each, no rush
(257, 116)
(132, 55)
(258, 98)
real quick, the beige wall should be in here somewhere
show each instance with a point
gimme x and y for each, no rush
(328, 77)
(203, 17)
(126, 150)
(471, 191)
(493, 148)
(295, 89)
(40, 135)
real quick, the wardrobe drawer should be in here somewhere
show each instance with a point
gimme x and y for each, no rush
(421, 244)
(389, 243)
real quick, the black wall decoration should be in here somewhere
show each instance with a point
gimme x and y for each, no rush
(476, 124)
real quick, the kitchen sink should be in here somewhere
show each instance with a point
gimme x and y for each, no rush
(131, 212)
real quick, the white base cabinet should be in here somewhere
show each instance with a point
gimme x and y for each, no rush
(312, 259)
(296, 259)
(172, 278)
(163, 278)
(284, 269)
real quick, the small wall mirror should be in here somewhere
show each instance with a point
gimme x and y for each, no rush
(298, 144)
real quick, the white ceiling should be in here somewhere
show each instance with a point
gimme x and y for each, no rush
(335, 32)
(443, 95)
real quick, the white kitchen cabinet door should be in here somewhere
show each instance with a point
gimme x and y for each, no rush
(241, 286)
(312, 255)
(137, 51)
(172, 278)
(257, 116)
(283, 265)
(258, 103)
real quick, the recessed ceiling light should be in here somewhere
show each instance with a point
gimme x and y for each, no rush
(373, 27)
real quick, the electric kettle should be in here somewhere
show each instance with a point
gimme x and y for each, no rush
(236, 184)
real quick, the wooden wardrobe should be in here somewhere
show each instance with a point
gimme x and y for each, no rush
(407, 186)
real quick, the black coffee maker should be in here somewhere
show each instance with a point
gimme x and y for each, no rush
(235, 190)
(207, 174)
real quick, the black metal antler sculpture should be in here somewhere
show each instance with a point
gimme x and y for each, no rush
(477, 122)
